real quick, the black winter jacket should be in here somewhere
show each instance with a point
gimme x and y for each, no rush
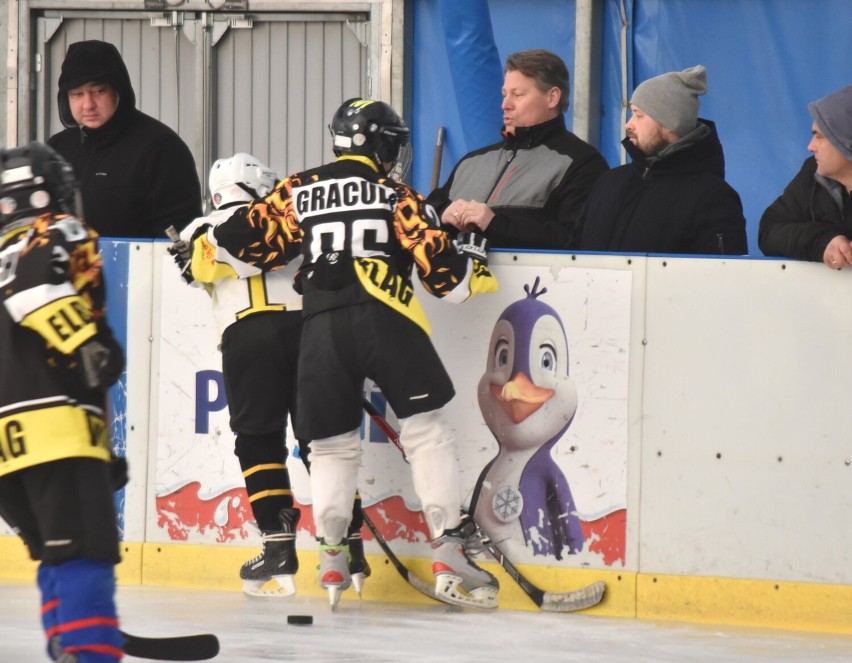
(801, 222)
(674, 202)
(536, 182)
(137, 176)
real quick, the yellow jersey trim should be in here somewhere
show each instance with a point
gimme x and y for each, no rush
(42, 435)
(391, 289)
(65, 323)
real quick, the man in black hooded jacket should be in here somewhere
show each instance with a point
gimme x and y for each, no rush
(673, 197)
(812, 218)
(137, 176)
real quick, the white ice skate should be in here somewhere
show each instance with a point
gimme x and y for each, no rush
(458, 579)
(334, 571)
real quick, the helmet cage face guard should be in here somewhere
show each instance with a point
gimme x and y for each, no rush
(402, 163)
(34, 179)
(240, 178)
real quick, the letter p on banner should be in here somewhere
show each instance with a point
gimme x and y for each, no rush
(204, 405)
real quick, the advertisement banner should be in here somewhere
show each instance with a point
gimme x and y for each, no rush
(539, 419)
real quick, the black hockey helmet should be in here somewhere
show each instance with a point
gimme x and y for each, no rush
(372, 129)
(34, 179)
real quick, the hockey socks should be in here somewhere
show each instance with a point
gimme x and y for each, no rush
(78, 610)
(263, 461)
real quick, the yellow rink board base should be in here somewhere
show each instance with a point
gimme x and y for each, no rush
(178, 565)
(797, 606)
(15, 562)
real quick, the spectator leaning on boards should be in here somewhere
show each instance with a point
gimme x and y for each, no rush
(526, 191)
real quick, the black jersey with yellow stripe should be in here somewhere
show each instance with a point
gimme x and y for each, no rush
(360, 234)
(53, 302)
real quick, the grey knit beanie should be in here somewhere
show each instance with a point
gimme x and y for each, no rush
(833, 115)
(672, 98)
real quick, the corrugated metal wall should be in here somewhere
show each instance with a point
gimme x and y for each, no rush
(275, 80)
(278, 86)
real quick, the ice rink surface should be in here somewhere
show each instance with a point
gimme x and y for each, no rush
(254, 630)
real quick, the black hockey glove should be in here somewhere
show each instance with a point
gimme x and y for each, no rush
(181, 252)
(101, 360)
(473, 245)
(118, 472)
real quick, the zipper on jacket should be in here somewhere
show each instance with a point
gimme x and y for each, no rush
(500, 176)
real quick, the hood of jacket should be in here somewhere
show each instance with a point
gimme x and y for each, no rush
(698, 151)
(95, 61)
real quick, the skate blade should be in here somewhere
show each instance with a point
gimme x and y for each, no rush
(334, 592)
(448, 588)
(277, 587)
(358, 582)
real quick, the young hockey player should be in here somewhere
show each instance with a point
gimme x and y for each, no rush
(259, 320)
(360, 233)
(58, 359)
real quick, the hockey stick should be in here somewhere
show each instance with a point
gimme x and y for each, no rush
(382, 423)
(409, 577)
(199, 647)
(436, 162)
(579, 599)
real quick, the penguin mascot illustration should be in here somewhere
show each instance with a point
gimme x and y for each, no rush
(528, 401)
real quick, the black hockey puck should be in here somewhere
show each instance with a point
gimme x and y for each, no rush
(302, 620)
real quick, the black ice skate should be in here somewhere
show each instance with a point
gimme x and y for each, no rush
(359, 567)
(458, 579)
(271, 573)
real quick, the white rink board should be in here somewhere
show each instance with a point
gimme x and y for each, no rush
(746, 421)
(722, 430)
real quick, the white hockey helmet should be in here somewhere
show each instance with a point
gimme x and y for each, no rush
(240, 178)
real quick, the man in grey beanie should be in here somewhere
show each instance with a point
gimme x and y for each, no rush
(672, 99)
(812, 219)
(673, 197)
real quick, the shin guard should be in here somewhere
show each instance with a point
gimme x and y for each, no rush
(82, 612)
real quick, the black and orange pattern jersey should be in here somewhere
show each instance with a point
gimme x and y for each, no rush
(53, 301)
(360, 234)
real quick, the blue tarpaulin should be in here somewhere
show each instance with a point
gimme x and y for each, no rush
(766, 59)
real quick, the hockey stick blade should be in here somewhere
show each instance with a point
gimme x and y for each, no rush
(200, 647)
(579, 599)
(407, 575)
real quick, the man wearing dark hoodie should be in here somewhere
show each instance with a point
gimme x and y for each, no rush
(136, 175)
(673, 197)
